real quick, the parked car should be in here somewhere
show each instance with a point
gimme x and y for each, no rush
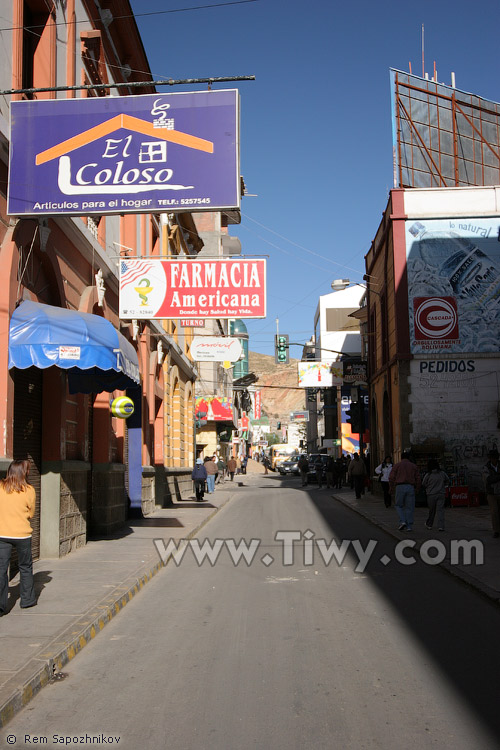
(311, 474)
(290, 466)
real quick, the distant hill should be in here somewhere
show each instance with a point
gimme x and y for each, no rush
(284, 396)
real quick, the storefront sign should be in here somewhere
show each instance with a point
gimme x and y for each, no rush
(215, 349)
(299, 416)
(257, 408)
(192, 323)
(125, 154)
(355, 373)
(181, 288)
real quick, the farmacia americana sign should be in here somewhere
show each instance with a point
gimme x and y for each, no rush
(202, 288)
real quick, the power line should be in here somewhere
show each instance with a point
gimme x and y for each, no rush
(135, 15)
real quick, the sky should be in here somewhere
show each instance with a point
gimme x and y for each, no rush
(316, 125)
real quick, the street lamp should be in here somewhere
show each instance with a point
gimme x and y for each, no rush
(338, 285)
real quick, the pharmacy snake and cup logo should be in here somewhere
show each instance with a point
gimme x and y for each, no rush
(143, 289)
(435, 318)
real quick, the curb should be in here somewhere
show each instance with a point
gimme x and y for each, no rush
(42, 670)
(479, 586)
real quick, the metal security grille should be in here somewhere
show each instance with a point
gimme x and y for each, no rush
(28, 436)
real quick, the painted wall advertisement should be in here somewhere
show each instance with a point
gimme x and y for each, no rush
(454, 285)
(459, 397)
(350, 440)
(181, 288)
(125, 154)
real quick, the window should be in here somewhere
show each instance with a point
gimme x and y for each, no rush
(35, 18)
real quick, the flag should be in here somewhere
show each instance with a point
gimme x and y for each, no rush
(131, 270)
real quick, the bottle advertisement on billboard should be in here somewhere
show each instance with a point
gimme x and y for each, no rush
(453, 285)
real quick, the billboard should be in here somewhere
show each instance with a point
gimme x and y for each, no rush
(215, 349)
(442, 137)
(350, 440)
(217, 408)
(129, 154)
(188, 288)
(453, 268)
(319, 374)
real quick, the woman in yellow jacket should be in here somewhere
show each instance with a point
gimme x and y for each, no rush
(17, 506)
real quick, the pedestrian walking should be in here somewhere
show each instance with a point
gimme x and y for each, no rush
(491, 478)
(221, 470)
(199, 477)
(405, 480)
(357, 474)
(340, 472)
(216, 462)
(303, 465)
(318, 468)
(266, 463)
(330, 469)
(231, 467)
(384, 470)
(211, 469)
(238, 464)
(435, 483)
(346, 460)
(17, 508)
(244, 462)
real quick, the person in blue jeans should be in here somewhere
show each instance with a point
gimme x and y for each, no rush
(211, 467)
(405, 480)
(17, 507)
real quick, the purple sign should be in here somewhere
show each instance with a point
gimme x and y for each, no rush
(131, 154)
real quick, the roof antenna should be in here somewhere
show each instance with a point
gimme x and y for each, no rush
(423, 64)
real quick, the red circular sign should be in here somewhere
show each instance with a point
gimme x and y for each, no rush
(435, 318)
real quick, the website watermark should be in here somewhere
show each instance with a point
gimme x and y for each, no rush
(303, 548)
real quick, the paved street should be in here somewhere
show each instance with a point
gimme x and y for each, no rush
(372, 654)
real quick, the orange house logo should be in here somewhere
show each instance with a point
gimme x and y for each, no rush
(111, 174)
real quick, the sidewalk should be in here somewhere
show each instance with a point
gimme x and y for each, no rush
(80, 593)
(461, 524)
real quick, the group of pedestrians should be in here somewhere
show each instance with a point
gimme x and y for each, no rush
(205, 474)
(334, 471)
(212, 470)
(403, 480)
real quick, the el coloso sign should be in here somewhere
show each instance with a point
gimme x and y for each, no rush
(127, 154)
(188, 288)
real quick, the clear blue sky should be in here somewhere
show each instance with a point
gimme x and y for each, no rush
(316, 135)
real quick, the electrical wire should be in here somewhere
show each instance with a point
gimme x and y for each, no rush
(135, 15)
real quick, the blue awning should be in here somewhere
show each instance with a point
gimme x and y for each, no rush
(96, 356)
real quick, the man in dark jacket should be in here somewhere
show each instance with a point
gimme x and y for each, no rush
(199, 477)
(357, 473)
(303, 468)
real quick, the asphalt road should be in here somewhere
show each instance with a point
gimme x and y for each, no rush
(288, 653)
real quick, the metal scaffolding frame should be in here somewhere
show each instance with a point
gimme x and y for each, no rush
(443, 137)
